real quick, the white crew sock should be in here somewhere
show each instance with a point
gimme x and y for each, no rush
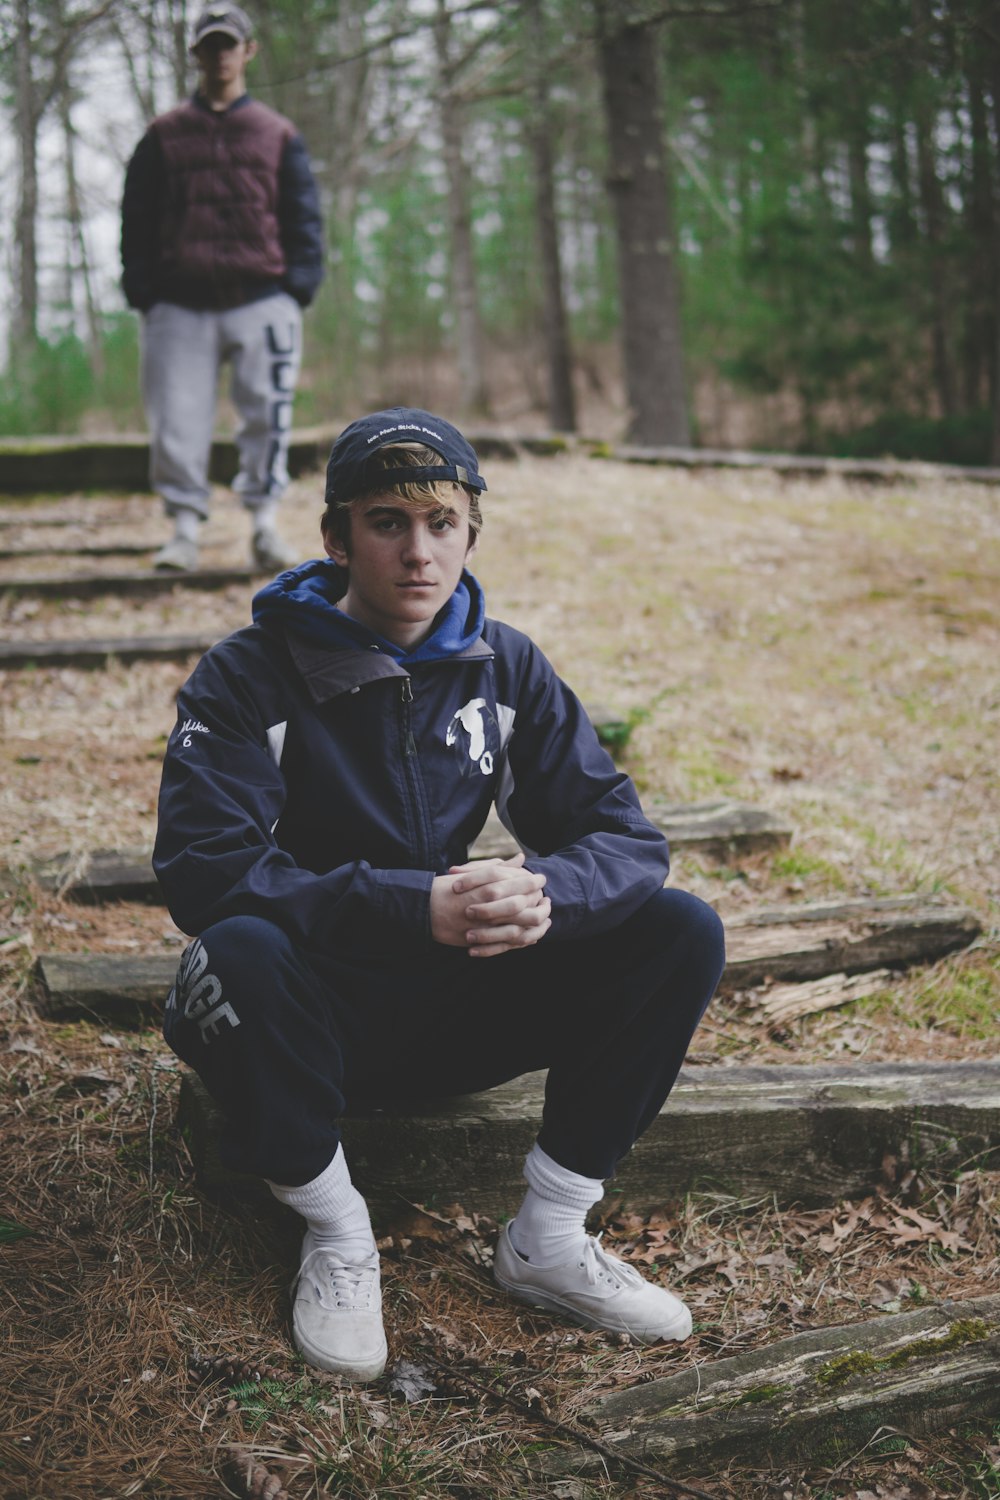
(264, 516)
(187, 524)
(334, 1210)
(549, 1228)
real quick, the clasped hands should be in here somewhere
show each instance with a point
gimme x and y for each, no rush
(489, 906)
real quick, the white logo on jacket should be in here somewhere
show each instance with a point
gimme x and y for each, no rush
(473, 720)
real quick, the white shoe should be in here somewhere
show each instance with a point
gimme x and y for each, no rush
(595, 1289)
(337, 1314)
(270, 553)
(180, 555)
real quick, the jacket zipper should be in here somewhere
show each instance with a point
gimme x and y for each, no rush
(411, 761)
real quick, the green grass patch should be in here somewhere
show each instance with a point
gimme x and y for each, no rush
(795, 864)
(961, 996)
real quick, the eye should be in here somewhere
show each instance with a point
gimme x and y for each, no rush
(443, 523)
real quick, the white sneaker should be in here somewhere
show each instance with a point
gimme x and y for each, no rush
(337, 1314)
(270, 553)
(180, 555)
(595, 1289)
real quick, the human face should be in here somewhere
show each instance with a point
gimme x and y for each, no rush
(403, 563)
(222, 63)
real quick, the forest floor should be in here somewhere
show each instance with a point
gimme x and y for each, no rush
(823, 648)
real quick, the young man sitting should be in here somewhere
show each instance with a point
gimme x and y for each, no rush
(331, 766)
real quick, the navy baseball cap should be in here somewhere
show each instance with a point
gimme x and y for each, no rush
(348, 474)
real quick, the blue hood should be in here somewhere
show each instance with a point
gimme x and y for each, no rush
(305, 600)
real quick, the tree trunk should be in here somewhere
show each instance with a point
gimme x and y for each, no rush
(77, 259)
(857, 166)
(995, 434)
(25, 317)
(473, 399)
(933, 206)
(980, 312)
(558, 356)
(639, 186)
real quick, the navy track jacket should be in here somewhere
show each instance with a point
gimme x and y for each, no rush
(319, 776)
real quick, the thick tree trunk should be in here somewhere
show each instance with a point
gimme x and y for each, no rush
(857, 166)
(473, 399)
(638, 182)
(980, 313)
(995, 435)
(934, 212)
(77, 259)
(555, 328)
(25, 318)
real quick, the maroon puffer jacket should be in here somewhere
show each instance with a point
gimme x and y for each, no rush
(219, 231)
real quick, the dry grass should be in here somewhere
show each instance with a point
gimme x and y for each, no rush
(828, 649)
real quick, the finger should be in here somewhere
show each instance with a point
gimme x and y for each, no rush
(513, 933)
(492, 948)
(522, 885)
(514, 862)
(506, 906)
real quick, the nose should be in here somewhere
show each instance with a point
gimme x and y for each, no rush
(417, 551)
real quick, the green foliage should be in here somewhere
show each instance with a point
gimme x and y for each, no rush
(51, 385)
(11, 1232)
(960, 439)
(834, 186)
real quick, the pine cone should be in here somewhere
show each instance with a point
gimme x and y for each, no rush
(202, 1369)
(257, 1481)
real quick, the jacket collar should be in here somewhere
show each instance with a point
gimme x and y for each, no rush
(330, 672)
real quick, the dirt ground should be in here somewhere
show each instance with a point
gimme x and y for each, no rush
(825, 648)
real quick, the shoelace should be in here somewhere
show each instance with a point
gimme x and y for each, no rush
(353, 1288)
(598, 1263)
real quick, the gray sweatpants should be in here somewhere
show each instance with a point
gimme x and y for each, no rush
(182, 356)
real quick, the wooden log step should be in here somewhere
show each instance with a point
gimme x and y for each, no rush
(80, 549)
(720, 830)
(65, 465)
(820, 1396)
(797, 943)
(803, 1134)
(146, 581)
(881, 470)
(69, 464)
(97, 652)
(102, 984)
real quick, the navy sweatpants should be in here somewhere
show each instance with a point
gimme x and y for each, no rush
(287, 1042)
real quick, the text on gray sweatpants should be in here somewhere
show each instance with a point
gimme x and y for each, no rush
(183, 352)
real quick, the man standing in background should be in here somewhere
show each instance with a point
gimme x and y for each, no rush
(221, 249)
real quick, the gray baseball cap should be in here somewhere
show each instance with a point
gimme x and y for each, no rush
(228, 19)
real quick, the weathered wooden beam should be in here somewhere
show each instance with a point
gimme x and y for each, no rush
(848, 937)
(98, 651)
(881, 470)
(146, 581)
(908, 933)
(806, 1134)
(79, 549)
(820, 1396)
(726, 830)
(50, 465)
(68, 465)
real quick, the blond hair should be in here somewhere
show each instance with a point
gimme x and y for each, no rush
(422, 494)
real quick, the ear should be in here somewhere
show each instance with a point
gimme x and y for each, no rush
(473, 547)
(335, 548)
(251, 51)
